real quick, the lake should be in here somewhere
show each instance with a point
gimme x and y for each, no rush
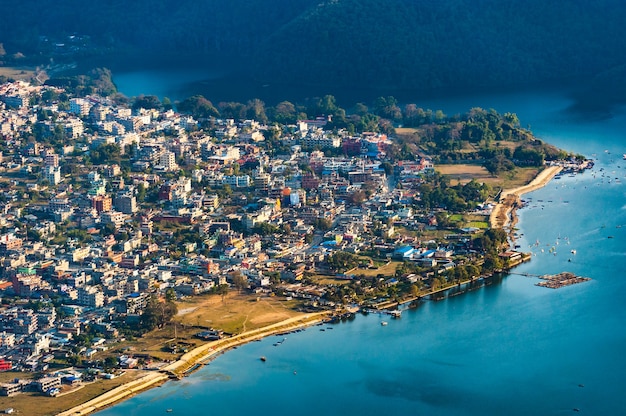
(509, 348)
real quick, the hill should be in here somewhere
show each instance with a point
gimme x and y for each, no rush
(391, 44)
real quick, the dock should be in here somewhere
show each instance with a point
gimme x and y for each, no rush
(556, 281)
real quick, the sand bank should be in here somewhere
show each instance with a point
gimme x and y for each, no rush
(503, 214)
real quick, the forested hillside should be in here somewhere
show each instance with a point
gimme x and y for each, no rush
(392, 43)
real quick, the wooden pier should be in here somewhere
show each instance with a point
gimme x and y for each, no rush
(556, 281)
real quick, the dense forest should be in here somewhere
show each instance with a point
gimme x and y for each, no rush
(392, 44)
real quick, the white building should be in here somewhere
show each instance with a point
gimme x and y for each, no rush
(168, 161)
(79, 106)
(52, 174)
(90, 296)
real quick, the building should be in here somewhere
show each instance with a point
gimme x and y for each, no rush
(167, 161)
(9, 242)
(46, 383)
(11, 389)
(51, 174)
(126, 203)
(114, 217)
(102, 203)
(79, 106)
(90, 296)
(25, 322)
(51, 158)
(5, 365)
(7, 339)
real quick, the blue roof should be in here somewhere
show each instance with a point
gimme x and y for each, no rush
(404, 249)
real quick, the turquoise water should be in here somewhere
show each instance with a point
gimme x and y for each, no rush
(509, 348)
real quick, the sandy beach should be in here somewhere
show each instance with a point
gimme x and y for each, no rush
(200, 354)
(503, 214)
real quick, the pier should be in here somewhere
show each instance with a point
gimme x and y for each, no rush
(556, 281)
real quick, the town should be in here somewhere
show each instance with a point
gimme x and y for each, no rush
(111, 212)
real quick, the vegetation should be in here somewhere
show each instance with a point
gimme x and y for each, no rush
(392, 44)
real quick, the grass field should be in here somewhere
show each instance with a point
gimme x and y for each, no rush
(236, 313)
(388, 269)
(23, 74)
(463, 173)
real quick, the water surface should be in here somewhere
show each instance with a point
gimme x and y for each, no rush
(510, 348)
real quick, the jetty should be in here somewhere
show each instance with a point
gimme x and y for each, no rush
(556, 281)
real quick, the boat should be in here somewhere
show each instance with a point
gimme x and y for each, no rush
(573, 251)
(263, 359)
(384, 323)
(168, 410)
(624, 156)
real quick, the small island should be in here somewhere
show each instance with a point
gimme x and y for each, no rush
(142, 237)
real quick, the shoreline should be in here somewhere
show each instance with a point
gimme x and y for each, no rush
(185, 364)
(503, 214)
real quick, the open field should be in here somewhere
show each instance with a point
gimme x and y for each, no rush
(388, 269)
(24, 74)
(322, 279)
(403, 131)
(463, 173)
(236, 313)
(36, 404)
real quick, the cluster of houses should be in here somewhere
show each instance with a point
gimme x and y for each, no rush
(189, 208)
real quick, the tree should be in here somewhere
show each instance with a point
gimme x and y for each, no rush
(157, 313)
(239, 280)
(170, 295)
(222, 290)
(147, 102)
(141, 192)
(256, 110)
(357, 197)
(110, 362)
(284, 113)
(492, 263)
(264, 228)
(198, 106)
(322, 224)
(167, 104)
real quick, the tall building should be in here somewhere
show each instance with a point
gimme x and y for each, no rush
(52, 174)
(102, 203)
(126, 203)
(51, 158)
(90, 296)
(168, 161)
(79, 106)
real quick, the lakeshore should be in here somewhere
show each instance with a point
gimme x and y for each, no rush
(191, 361)
(501, 217)
(503, 214)
(469, 325)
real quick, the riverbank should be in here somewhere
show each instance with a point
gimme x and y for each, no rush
(503, 214)
(191, 360)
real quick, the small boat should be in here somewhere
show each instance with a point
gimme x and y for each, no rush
(263, 359)
(168, 410)
(573, 251)
(384, 323)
